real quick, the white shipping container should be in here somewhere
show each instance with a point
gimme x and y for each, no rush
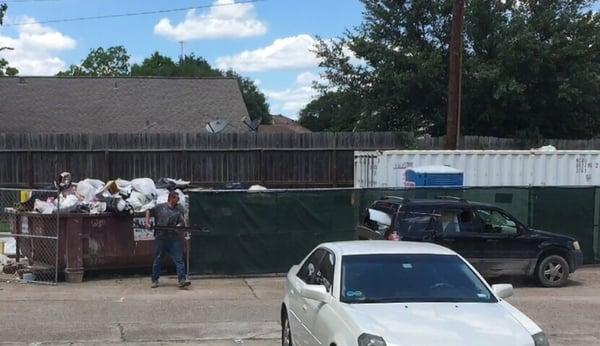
(482, 167)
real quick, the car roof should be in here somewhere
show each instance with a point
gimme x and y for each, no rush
(368, 247)
(437, 201)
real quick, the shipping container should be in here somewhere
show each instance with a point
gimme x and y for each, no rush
(482, 167)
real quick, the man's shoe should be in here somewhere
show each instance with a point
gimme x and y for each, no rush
(184, 283)
(154, 284)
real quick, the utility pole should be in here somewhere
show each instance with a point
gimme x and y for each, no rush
(455, 76)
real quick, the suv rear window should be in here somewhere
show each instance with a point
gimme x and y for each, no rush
(416, 219)
(382, 207)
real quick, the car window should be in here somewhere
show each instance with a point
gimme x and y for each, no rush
(497, 222)
(309, 269)
(379, 216)
(457, 221)
(388, 278)
(324, 274)
(416, 219)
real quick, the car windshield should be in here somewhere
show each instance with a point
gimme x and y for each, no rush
(410, 278)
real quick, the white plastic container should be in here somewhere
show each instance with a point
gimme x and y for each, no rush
(482, 167)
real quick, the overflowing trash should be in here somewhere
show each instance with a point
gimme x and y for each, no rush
(116, 196)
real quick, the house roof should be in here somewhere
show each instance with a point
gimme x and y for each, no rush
(118, 104)
(282, 124)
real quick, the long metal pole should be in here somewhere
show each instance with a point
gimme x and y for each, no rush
(57, 239)
(455, 76)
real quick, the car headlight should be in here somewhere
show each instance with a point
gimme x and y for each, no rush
(576, 246)
(540, 339)
(371, 340)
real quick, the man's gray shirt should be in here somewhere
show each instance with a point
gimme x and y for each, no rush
(165, 215)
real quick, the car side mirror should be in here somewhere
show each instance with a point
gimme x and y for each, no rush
(315, 292)
(503, 290)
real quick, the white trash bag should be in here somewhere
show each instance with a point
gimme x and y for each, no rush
(87, 189)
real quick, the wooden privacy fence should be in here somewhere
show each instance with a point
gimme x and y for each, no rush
(274, 160)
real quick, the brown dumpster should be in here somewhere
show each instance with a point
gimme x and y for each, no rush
(91, 242)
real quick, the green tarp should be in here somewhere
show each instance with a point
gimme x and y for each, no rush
(267, 232)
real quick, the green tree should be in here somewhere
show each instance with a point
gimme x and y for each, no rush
(192, 66)
(3, 8)
(531, 68)
(401, 75)
(5, 70)
(332, 112)
(100, 62)
(255, 100)
(155, 65)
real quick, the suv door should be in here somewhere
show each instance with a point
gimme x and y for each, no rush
(459, 230)
(301, 333)
(507, 251)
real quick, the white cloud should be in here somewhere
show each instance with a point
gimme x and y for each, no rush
(290, 101)
(223, 20)
(285, 53)
(35, 49)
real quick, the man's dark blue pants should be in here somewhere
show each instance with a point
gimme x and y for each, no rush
(166, 246)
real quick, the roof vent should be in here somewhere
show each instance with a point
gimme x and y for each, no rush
(252, 124)
(22, 80)
(116, 85)
(217, 126)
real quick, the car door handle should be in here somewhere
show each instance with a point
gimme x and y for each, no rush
(448, 240)
(493, 241)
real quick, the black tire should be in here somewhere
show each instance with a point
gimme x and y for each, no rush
(553, 271)
(286, 331)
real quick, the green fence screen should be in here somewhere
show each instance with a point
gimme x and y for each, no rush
(252, 233)
(267, 232)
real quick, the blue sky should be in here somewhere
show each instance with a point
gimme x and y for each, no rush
(268, 41)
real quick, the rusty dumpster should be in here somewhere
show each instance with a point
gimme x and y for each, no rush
(89, 242)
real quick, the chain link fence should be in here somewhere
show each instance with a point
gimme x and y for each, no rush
(29, 240)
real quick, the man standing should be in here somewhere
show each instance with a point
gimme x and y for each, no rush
(167, 242)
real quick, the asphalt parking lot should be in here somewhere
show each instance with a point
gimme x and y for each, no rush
(230, 311)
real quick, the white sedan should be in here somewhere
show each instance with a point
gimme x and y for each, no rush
(377, 293)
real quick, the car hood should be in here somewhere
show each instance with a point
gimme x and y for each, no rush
(442, 323)
(544, 234)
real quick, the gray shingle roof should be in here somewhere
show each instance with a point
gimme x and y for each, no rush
(118, 105)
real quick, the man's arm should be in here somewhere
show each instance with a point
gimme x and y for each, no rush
(148, 218)
(181, 221)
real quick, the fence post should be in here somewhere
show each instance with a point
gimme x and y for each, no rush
(29, 168)
(530, 206)
(596, 225)
(262, 167)
(107, 165)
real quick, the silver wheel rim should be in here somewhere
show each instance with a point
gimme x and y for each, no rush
(286, 334)
(554, 271)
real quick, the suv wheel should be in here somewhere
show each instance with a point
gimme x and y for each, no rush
(553, 271)
(286, 332)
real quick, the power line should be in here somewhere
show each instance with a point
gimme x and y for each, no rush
(131, 14)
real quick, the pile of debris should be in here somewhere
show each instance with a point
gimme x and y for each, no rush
(116, 196)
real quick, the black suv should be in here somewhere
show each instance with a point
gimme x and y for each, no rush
(490, 238)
